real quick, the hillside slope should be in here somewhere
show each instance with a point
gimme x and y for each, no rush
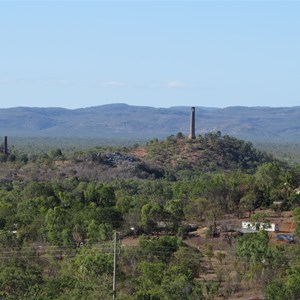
(207, 153)
(157, 159)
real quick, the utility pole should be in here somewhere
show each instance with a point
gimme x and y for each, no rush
(115, 267)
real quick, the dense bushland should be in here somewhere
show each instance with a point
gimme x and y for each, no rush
(58, 213)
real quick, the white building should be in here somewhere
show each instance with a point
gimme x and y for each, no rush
(260, 226)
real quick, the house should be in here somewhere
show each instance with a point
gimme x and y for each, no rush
(260, 226)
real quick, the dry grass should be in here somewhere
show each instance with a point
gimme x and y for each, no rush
(223, 267)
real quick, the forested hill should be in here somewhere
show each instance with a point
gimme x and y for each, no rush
(207, 153)
(173, 156)
(137, 122)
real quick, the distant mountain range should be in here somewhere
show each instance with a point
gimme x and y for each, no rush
(139, 122)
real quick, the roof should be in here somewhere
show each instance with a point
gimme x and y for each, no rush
(245, 230)
(285, 237)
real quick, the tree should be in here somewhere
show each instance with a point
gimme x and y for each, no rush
(17, 279)
(196, 209)
(261, 260)
(252, 248)
(217, 190)
(151, 274)
(293, 283)
(296, 217)
(289, 289)
(160, 249)
(103, 195)
(179, 135)
(88, 275)
(180, 287)
(58, 232)
(56, 154)
(186, 261)
(151, 213)
(96, 232)
(248, 202)
(267, 177)
(175, 210)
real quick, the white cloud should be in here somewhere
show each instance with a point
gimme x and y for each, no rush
(112, 84)
(176, 85)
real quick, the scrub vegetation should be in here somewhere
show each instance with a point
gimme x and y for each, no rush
(59, 211)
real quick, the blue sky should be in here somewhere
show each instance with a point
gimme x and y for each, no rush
(153, 53)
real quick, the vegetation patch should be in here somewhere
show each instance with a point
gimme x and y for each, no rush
(176, 205)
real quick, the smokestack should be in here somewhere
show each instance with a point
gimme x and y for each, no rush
(192, 134)
(5, 146)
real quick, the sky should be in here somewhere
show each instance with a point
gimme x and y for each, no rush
(77, 54)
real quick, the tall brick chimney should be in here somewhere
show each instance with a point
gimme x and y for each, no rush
(192, 134)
